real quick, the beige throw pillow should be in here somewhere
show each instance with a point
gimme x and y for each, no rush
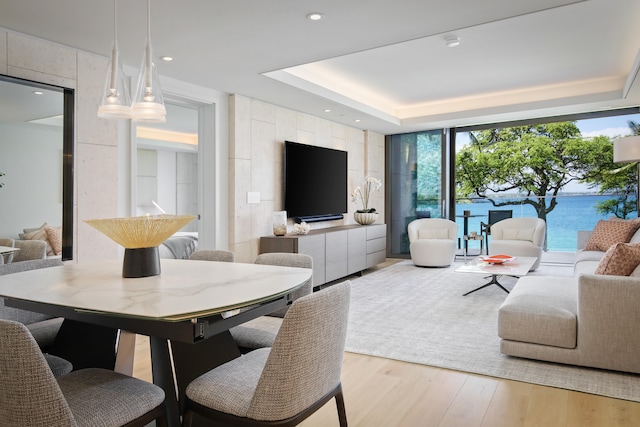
(433, 233)
(607, 233)
(54, 235)
(620, 260)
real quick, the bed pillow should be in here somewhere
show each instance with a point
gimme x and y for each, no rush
(620, 260)
(607, 233)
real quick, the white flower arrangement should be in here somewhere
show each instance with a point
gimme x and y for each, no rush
(359, 195)
(301, 228)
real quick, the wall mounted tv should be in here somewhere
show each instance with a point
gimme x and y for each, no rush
(315, 182)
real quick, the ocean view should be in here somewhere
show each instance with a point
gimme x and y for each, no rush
(572, 213)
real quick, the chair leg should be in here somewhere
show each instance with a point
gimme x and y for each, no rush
(342, 413)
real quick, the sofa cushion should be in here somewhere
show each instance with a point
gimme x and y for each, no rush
(620, 260)
(607, 233)
(541, 310)
(40, 234)
(54, 235)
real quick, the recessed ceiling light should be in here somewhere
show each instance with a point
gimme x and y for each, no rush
(167, 58)
(38, 92)
(326, 110)
(357, 120)
(315, 16)
(452, 41)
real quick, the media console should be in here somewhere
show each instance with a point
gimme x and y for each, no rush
(336, 251)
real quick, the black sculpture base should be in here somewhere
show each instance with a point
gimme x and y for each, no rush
(142, 262)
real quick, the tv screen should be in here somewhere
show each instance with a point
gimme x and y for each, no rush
(315, 182)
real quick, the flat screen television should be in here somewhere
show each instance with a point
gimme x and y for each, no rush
(315, 182)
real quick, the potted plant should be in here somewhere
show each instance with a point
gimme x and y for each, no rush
(366, 215)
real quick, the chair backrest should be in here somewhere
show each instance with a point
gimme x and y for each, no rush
(499, 215)
(530, 229)
(17, 314)
(432, 228)
(30, 249)
(305, 362)
(30, 395)
(213, 255)
(284, 259)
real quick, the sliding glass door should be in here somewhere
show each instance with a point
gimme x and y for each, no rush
(415, 183)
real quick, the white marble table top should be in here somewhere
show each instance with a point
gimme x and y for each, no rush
(8, 249)
(520, 266)
(184, 289)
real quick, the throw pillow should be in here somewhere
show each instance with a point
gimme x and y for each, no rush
(54, 235)
(620, 260)
(40, 234)
(636, 236)
(607, 233)
(517, 234)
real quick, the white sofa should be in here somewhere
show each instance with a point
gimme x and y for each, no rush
(586, 320)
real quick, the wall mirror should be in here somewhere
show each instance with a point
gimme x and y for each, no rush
(36, 163)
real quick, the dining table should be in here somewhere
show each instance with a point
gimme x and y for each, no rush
(184, 310)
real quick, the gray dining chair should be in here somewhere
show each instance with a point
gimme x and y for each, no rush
(213, 255)
(32, 396)
(261, 331)
(285, 384)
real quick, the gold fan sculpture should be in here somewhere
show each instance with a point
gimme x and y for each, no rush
(140, 236)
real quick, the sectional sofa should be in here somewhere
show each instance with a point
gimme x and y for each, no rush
(588, 320)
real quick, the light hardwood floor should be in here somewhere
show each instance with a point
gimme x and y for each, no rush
(387, 393)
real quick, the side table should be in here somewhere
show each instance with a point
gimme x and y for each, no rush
(467, 238)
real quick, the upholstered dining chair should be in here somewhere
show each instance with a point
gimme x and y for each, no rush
(261, 331)
(32, 396)
(518, 237)
(284, 384)
(213, 255)
(432, 242)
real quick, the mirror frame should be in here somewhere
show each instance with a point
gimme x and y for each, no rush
(67, 158)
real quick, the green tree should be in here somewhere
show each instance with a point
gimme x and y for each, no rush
(619, 180)
(535, 162)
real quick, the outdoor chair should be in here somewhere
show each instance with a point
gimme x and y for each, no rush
(261, 331)
(519, 237)
(432, 242)
(284, 384)
(494, 216)
(32, 396)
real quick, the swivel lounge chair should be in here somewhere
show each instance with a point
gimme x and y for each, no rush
(432, 242)
(518, 237)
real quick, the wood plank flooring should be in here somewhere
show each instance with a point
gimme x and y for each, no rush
(387, 393)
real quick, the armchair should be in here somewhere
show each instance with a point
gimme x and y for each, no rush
(518, 237)
(432, 242)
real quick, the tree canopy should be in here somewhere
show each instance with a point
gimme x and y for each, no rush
(533, 162)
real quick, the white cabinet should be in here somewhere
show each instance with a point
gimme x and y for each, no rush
(337, 251)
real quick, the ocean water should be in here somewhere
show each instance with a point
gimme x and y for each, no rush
(572, 213)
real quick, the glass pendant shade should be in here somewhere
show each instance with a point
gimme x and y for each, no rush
(148, 104)
(115, 102)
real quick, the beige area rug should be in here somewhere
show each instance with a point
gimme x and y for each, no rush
(419, 315)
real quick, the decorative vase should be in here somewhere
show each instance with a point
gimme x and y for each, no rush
(280, 223)
(365, 218)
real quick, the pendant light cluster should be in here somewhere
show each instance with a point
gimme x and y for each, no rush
(147, 104)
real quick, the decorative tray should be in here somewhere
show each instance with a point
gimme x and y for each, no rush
(497, 259)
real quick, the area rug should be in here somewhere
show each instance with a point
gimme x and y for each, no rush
(419, 315)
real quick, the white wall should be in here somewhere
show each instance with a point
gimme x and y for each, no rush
(31, 159)
(257, 134)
